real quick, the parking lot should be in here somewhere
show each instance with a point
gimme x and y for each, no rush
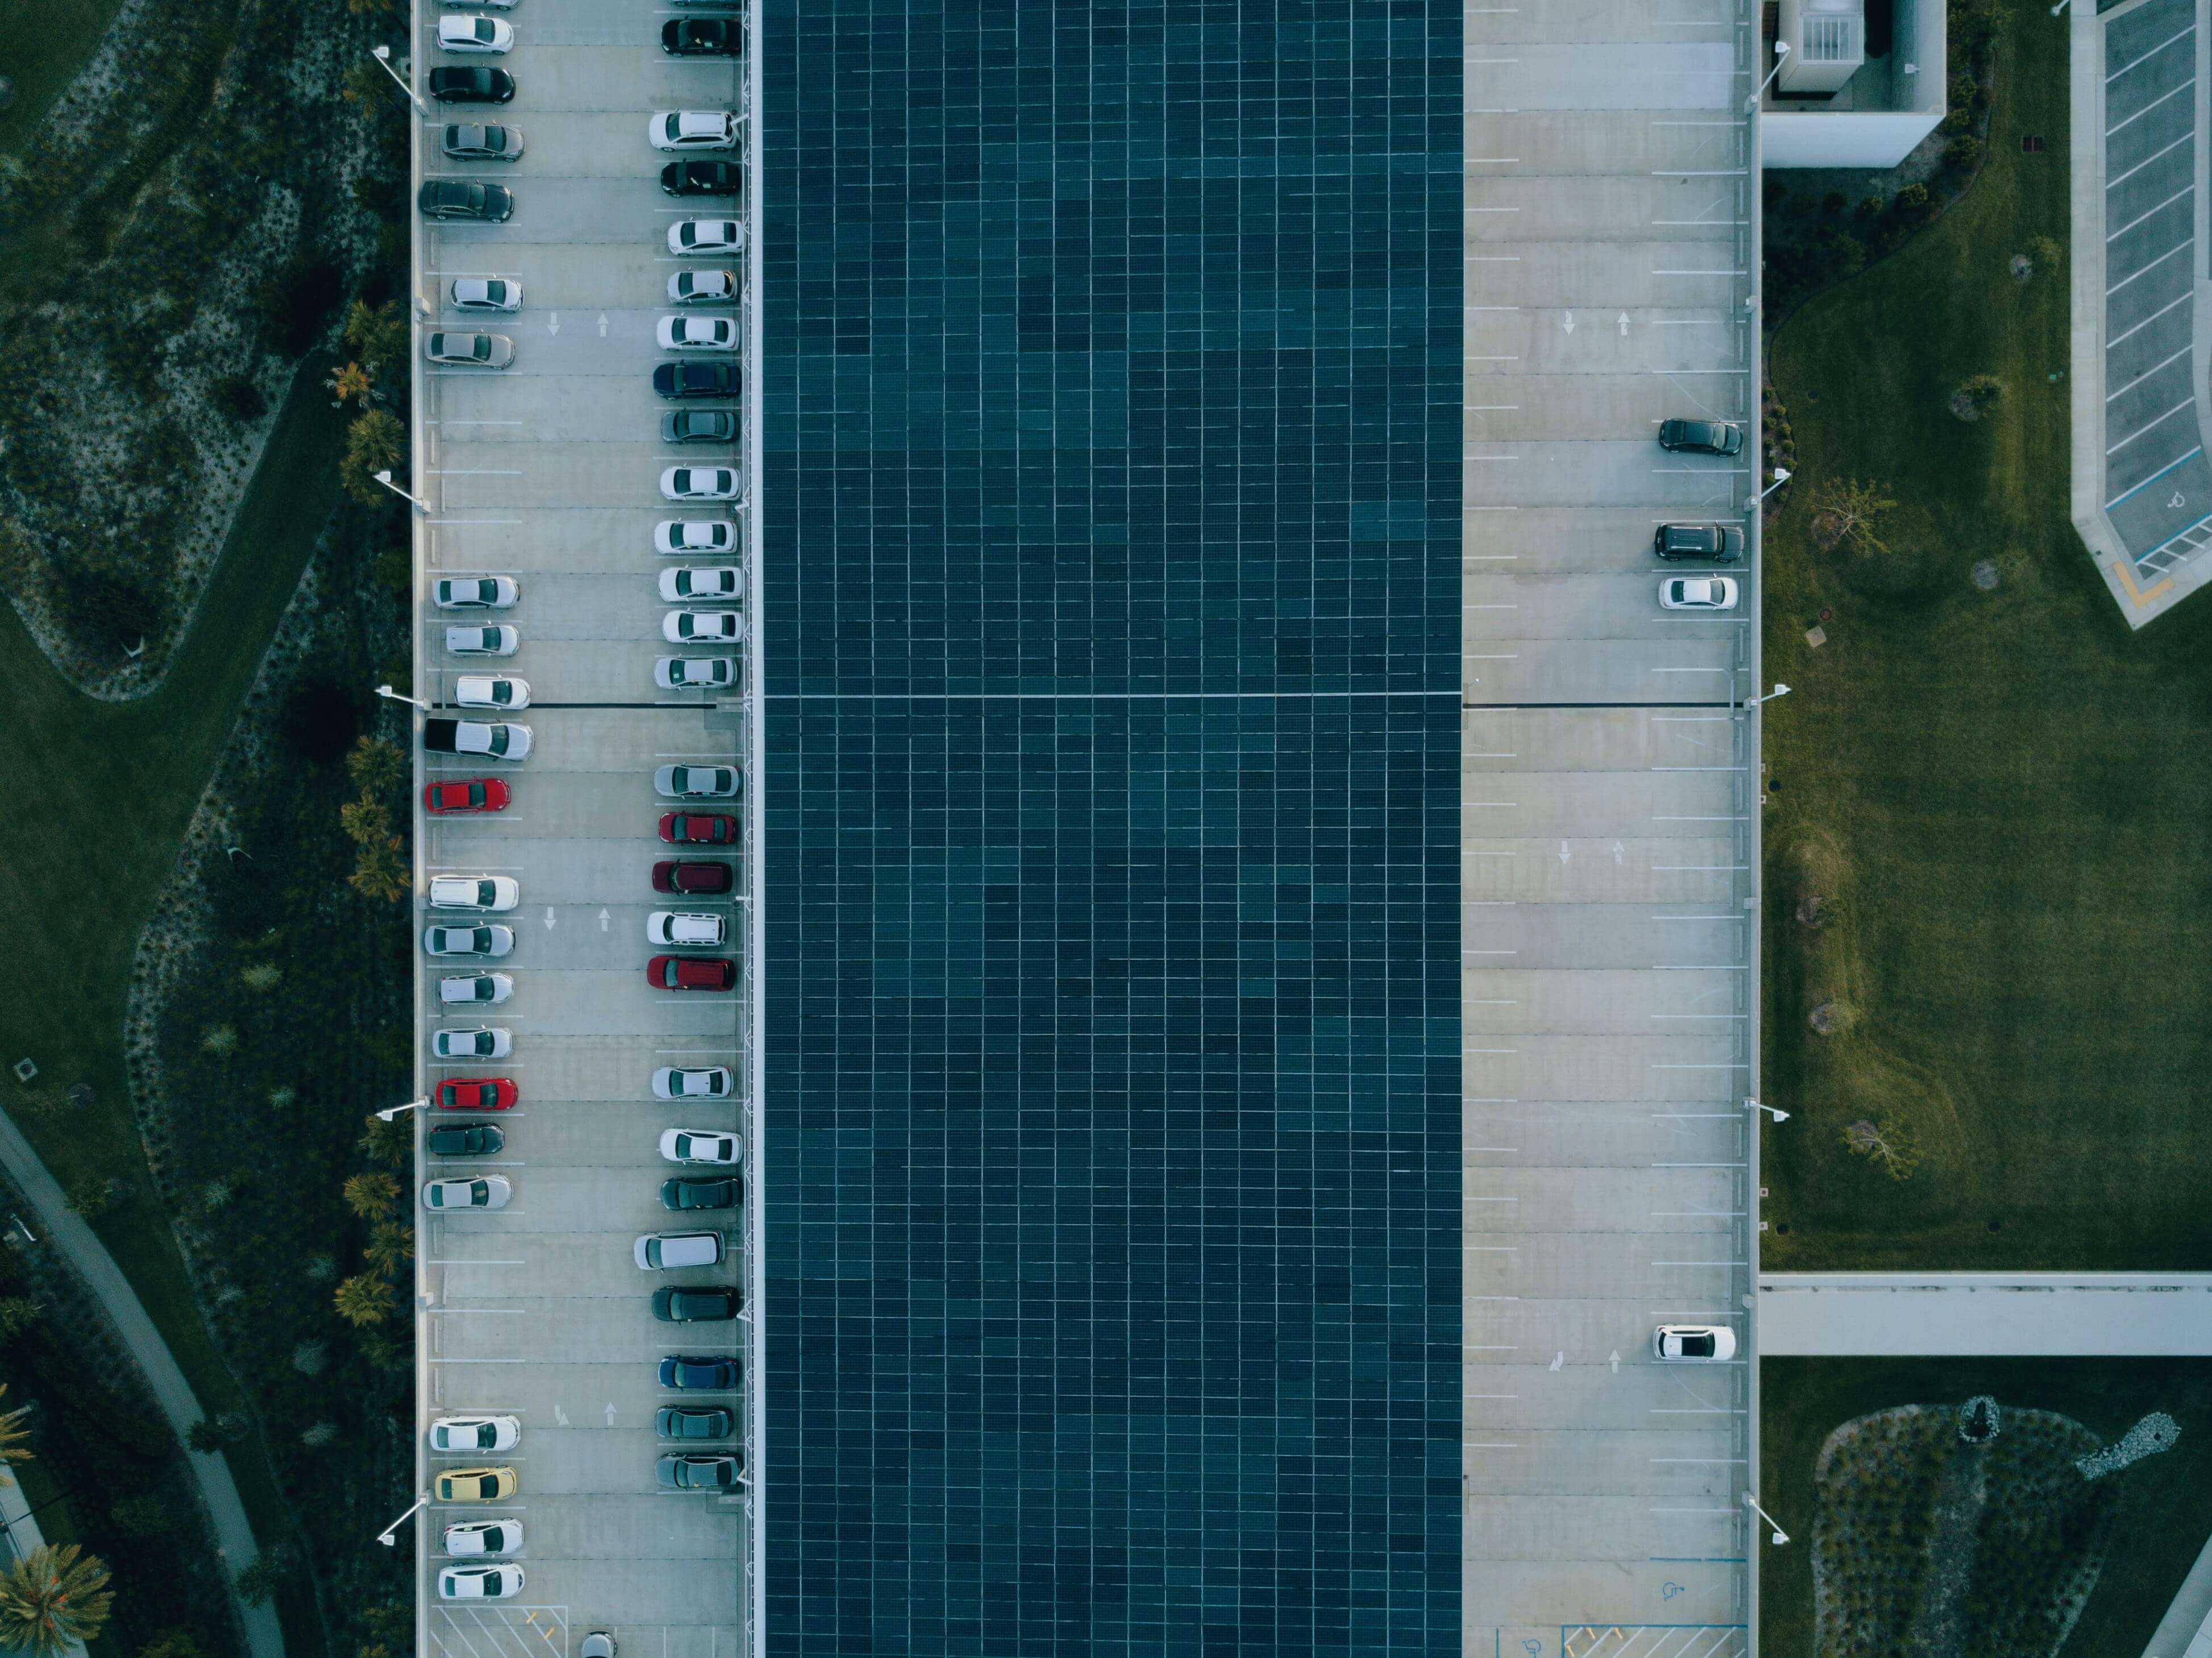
(547, 473)
(1608, 813)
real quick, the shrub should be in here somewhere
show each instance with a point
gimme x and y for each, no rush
(1870, 206)
(317, 1434)
(1845, 254)
(395, 568)
(172, 1643)
(370, 1192)
(311, 1357)
(1956, 122)
(17, 1314)
(237, 396)
(365, 1300)
(261, 976)
(143, 1516)
(1980, 393)
(2048, 252)
(379, 336)
(376, 442)
(1775, 191)
(94, 1196)
(1963, 153)
(1832, 201)
(260, 1580)
(220, 1040)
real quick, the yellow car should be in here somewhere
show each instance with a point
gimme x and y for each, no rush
(474, 1484)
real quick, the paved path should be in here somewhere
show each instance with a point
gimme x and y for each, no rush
(2182, 1633)
(2166, 1314)
(88, 1256)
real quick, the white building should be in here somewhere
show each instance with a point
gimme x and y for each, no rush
(1834, 102)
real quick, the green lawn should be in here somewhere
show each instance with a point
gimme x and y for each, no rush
(2165, 1509)
(43, 44)
(99, 796)
(2004, 795)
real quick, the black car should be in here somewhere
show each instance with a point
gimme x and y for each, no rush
(703, 178)
(693, 1422)
(699, 1192)
(702, 37)
(472, 83)
(464, 198)
(696, 379)
(699, 426)
(1700, 437)
(464, 1139)
(705, 1304)
(698, 1474)
(1716, 544)
(688, 1370)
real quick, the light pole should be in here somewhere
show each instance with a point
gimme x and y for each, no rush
(387, 1115)
(1779, 691)
(384, 478)
(386, 692)
(385, 1537)
(1752, 1503)
(383, 55)
(1775, 1112)
(2060, 7)
(1781, 53)
(1781, 477)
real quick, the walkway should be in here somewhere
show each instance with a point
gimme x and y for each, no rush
(2057, 1314)
(87, 1256)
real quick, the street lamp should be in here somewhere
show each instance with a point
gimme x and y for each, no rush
(1752, 1503)
(2060, 7)
(386, 692)
(384, 478)
(383, 55)
(1775, 1112)
(1779, 691)
(385, 1537)
(1781, 477)
(1781, 52)
(387, 1115)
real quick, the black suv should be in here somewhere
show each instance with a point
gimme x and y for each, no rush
(699, 1192)
(1701, 437)
(703, 178)
(696, 379)
(703, 1305)
(464, 1139)
(472, 83)
(464, 198)
(702, 37)
(1716, 543)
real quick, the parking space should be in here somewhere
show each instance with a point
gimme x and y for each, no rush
(1608, 810)
(548, 472)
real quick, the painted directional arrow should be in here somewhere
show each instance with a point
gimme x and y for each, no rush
(1564, 853)
(1624, 324)
(603, 920)
(548, 918)
(603, 324)
(553, 322)
(560, 1417)
(1557, 1359)
(611, 1416)
(1613, 1359)
(1567, 322)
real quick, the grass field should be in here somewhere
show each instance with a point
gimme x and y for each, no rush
(2166, 1509)
(43, 44)
(97, 799)
(2001, 798)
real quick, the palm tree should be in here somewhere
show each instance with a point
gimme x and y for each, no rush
(365, 1300)
(370, 1192)
(15, 1438)
(53, 1598)
(391, 1246)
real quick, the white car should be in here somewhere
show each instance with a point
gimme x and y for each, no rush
(682, 930)
(684, 130)
(702, 583)
(486, 293)
(473, 690)
(702, 626)
(1693, 1343)
(470, 350)
(699, 484)
(502, 1582)
(481, 34)
(696, 782)
(706, 236)
(501, 641)
(706, 1082)
(701, 1145)
(475, 990)
(695, 673)
(678, 535)
(697, 333)
(475, 1042)
(703, 288)
(474, 1537)
(482, 940)
(475, 1433)
(484, 1192)
(1698, 593)
(661, 1252)
(486, 592)
(488, 893)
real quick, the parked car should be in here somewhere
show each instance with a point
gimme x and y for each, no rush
(486, 293)
(1698, 593)
(703, 178)
(695, 673)
(466, 198)
(703, 288)
(702, 1304)
(699, 484)
(681, 930)
(699, 1193)
(471, 1043)
(493, 592)
(472, 1537)
(473, 1485)
(677, 537)
(461, 350)
(1693, 1344)
(475, 1433)
(491, 691)
(691, 973)
(699, 426)
(697, 782)
(699, 1082)
(489, 893)
(474, 1093)
(701, 1145)
(488, 35)
(484, 1192)
(472, 83)
(1719, 543)
(702, 37)
(474, 989)
(501, 641)
(496, 740)
(1700, 437)
(694, 332)
(691, 875)
(464, 1139)
(485, 940)
(698, 828)
(706, 236)
(701, 584)
(469, 140)
(684, 130)
(599, 1644)
(694, 1422)
(708, 1372)
(698, 1474)
(702, 626)
(465, 794)
(502, 1582)
(665, 1252)
(696, 379)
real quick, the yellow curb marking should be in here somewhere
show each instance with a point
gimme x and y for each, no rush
(2141, 595)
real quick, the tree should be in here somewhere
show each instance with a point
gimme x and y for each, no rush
(220, 1040)
(93, 1196)
(17, 1314)
(377, 442)
(391, 1246)
(380, 871)
(365, 1300)
(392, 1143)
(370, 1192)
(52, 1599)
(172, 1643)
(1849, 511)
(261, 976)
(376, 766)
(1890, 1143)
(377, 336)
(15, 1438)
(365, 821)
(1978, 392)
(143, 1516)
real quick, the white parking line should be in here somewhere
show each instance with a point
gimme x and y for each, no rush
(2153, 105)
(2160, 209)
(2147, 159)
(2180, 246)
(2147, 426)
(2187, 30)
(2148, 373)
(2147, 321)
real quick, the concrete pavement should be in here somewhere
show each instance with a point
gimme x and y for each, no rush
(2044, 1315)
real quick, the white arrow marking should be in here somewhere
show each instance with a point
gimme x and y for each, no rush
(553, 323)
(560, 1417)
(1557, 1359)
(1613, 1359)
(548, 918)
(611, 1416)
(603, 920)
(1624, 324)
(603, 324)
(1567, 322)
(1564, 853)
(1616, 852)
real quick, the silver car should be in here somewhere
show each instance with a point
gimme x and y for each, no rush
(696, 782)
(703, 288)
(469, 350)
(469, 141)
(486, 293)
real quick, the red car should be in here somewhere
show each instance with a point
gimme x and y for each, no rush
(691, 973)
(477, 1094)
(698, 828)
(690, 875)
(465, 794)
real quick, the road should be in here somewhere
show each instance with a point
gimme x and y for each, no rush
(2054, 1315)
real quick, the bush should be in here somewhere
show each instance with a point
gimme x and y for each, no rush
(1956, 122)
(115, 606)
(94, 1196)
(237, 396)
(1963, 153)
(258, 1583)
(1845, 254)
(2048, 252)
(143, 1516)
(1832, 201)
(395, 568)
(377, 442)
(1776, 192)
(1871, 207)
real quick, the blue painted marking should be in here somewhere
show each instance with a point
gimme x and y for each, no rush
(2175, 537)
(2154, 477)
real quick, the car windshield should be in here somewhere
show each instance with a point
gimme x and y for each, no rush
(1697, 1346)
(673, 128)
(476, 794)
(498, 739)
(494, 137)
(496, 292)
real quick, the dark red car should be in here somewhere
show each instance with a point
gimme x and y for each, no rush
(691, 973)
(465, 794)
(690, 875)
(698, 828)
(476, 1094)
